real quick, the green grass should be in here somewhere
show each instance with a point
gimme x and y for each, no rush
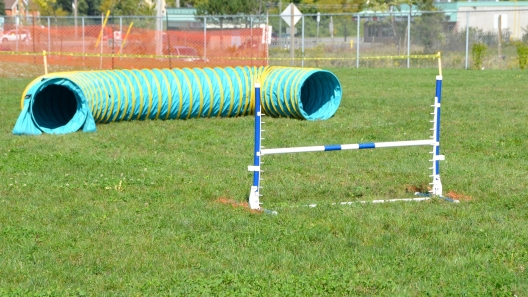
(132, 210)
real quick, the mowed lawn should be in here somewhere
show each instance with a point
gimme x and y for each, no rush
(155, 208)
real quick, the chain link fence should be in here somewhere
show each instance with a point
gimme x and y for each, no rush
(468, 39)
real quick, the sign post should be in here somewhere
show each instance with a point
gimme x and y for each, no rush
(331, 28)
(291, 15)
(318, 20)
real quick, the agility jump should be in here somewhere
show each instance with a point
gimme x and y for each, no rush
(434, 142)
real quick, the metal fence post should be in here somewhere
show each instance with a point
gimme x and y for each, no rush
(17, 20)
(205, 39)
(82, 24)
(121, 34)
(409, 40)
(302, 42)
(102, 36)
(358, 39)
(49, 35)
(467, 38)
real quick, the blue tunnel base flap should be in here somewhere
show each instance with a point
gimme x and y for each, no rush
(24, 124)
(89, 124)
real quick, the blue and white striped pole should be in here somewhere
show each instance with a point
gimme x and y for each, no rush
(437, 183)
(343, 147)
(254, 196)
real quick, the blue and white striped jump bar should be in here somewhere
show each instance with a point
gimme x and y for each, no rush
(342, 147)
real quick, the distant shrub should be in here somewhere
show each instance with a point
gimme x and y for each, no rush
(522, 54)
(477, 54)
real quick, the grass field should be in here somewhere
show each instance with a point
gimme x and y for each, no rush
(138, 208)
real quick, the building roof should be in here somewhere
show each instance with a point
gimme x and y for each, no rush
(451, 9)
(9, 3)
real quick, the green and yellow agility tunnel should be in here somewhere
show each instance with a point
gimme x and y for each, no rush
(67, 102)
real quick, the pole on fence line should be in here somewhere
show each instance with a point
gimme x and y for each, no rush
(254, 196)
(280, 35)
(409, 40)
(268, 34)
(302, 65)
(205, 39)
(499, 43)
(467, 38)
(45, 62)
(49, 35)
(251, 35)
(121, 34)
(82, 24)
(16, 32)
(104, 23)
(33, 39)
(75, 9)
(318, 20)
(292, 35)
(358, 36)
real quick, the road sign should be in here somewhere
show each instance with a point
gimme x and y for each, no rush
(286, 14)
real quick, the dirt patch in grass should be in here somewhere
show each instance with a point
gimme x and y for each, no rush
(426, 189)
(236, 204)
(417, 188)
(459, 196)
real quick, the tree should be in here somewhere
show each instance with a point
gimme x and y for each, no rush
(126, 7)
(429, 32)
(183, 3)
(2, 7)
(93, 7)
(332, 6)
(82, 8)
(427, 27)
(67, 5)
(226, 7)
(50, 8)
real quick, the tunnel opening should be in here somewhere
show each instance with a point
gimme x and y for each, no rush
(54, 106)
(320, 96)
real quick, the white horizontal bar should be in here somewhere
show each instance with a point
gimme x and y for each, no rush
(370, 145)
(253, 168)
(439, 158)
(379, 201)
(304, 149)
(404, 143)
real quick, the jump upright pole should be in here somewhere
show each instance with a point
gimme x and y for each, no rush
(254, 197)
(434, 142)
(437, 184)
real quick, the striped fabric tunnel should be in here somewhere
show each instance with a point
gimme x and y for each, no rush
(66, 102)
